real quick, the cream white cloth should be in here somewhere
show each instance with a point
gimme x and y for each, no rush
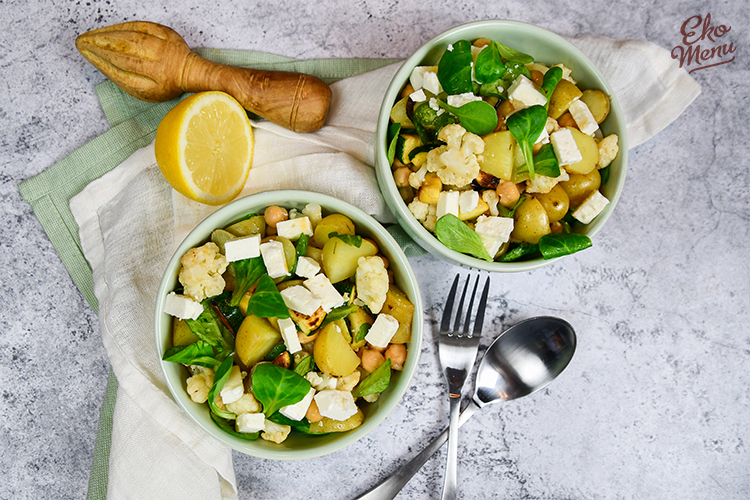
(131, 221)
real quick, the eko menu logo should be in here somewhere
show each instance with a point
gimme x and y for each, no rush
(696, 30)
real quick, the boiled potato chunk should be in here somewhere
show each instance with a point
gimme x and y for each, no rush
(252, 225)
(332, 351)
(565, 92)
(589, 151)
(181, 333)
(497, 158)
(398, 305)
(326, 425)
(556, 203)
(334, 223)
(340, 258)
(598, 103)
(580, 186)
(255, 338)
(531, 221)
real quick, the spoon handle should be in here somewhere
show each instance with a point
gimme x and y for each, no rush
(389, 488)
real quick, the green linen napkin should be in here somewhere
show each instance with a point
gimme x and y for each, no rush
(134, 124)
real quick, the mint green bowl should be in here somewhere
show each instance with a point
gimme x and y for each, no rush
(547, 48)
(297, 446)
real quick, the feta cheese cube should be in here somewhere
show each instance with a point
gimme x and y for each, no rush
(494, 232)
(297, 411)
(448, 203)
(460, 99)
(322, 288)
(247, 247)
(565, 147)
(321, 382)
(182, 307)
(248, 423)
(299, 299)
(591, 207)
(289, 334)
(431, 83)
(417, 75)
(233, 388)
(274, 259)
(382, 330)
(543, 137)
(418, 96)
(336, 405)
(291, 229)
(434, 105)
(307, 267)
(583, 117)
(522, 91)
(468, 201)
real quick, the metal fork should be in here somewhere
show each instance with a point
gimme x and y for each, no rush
(458, 351)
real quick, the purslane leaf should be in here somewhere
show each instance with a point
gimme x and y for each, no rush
(199, 353)
(246, 272)
(558, 244)
(457, 236)
(454, 68)
(276, 387)
(526, 126)
(477, 117)
(209, 328)
(489, 66)
(266, 301)
(376, 382)
(220, 378)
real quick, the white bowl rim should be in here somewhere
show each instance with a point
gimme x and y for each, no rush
(413, 228)
(329, 203)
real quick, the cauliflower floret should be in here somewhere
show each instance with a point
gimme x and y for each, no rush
(322, 381)
(544, 184)
(551, 125)
(199, 384)
(372, 282)
(431, 219)
(275, 432)
(416, 179)
(608, 149)
(349, 382)
(246, 404)
(456, 162)
(490, 198)
(419, 209)
(201, 271)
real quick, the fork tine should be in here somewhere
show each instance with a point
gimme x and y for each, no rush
(457, 324)
(479, 320)
(445, 323)
(469, 309)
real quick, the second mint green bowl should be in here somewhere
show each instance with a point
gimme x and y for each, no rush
(546, 47)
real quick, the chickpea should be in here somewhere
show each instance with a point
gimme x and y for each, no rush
(481, 42)
(397, 354)
(508, 193)
(313, 413)
(371, 359)
(537, 77)
(407, 91)
(386, 263)
(567, 120)
(556, 227)
(505, 108)
(401, 176)
(275, 214)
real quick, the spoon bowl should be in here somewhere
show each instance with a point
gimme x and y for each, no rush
(520, 361)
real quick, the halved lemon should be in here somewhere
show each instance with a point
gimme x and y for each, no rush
(204, 147)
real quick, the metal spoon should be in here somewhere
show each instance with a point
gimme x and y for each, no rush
(520, 361)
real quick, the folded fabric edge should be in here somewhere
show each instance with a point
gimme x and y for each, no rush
(99, 474)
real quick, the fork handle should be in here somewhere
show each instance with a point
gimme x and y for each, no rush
(389, 487)
(451, 464)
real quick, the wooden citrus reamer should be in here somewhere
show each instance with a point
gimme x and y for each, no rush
(153, 63)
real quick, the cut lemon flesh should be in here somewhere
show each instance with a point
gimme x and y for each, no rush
(204, 147)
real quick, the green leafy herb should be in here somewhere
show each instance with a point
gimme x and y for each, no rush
(376, 382)
(526, 126)
(393, 131)
(545, 162)
(362, 332)
(301, 249)
(275, 352)
(222, 374)
(209, 328)
(350, 239)
(551, 78)
(276, 387)
(227, 426)
(522, 250)
(266, 301)
(246, 273)
(456, 235)
(231, 314)
(337, 313)
(512, 54)
(454, 68)
(477, 117)
(306, 364)
(558, 244)
(489, 66)
(513, 69)
(198, 353)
